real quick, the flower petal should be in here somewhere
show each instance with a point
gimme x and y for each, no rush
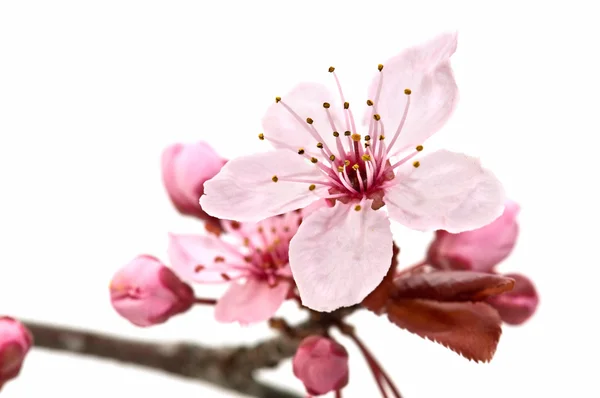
(253, 301)
(517, 306)
(339, 255)
(426, 71)
(244, 190)
(449, 191)
(193, 258)
(306, 100)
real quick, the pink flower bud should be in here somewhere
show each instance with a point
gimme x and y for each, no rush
(518, 305)
(147, 293)
(321, 364)
(15, 342)
(185, 169)
(480, 249)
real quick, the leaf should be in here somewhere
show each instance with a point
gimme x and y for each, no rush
(377, 299)
(469, 329)
(452, 286)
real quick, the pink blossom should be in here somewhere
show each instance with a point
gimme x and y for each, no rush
(480, 249)
(517, 306)
(341, 253)
(146, 292)
(15, 342)
(321, 364)
(253, 257)
(185, 169)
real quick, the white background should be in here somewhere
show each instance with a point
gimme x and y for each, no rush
(92, 91)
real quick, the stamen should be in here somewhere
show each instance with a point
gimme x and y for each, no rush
(301, 151)
(402, 121)
(261, 136)
(357, 207)
(274, 178)
(416, 164)
(419, 148)
(312, 187)
(277, 99)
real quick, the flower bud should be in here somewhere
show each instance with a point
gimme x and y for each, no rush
(480, 249)
(518, 305)
(321, 364)
(15, 342)
(146, 293)
(185, 169)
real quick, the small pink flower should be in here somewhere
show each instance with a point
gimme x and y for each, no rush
(147, 293)
(518, 305)
(15, 342)
(321, 364)
(185, 169)
(341, 253)
(480, 249)
(253, 257)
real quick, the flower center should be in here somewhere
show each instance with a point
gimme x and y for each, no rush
(356, 167)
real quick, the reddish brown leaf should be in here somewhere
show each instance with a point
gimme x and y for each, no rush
(469, 329)
(452, 286)
(377, 299)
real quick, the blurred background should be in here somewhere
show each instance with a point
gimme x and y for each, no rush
(91, 93)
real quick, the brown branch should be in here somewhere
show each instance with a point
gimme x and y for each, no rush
(230, 368)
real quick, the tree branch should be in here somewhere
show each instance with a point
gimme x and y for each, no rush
(231, 368)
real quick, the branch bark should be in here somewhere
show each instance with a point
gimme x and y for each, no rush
(231, 368)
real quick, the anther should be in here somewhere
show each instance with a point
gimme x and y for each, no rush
(346, 162)
(309, 120)
(326, 105)
(336, 134)
(261, 136)
(332, 157)
(320, 145)
(419, 148)
(312, 187)
(407, 91)
(346, 105)
(369, 102)
(301, 151)
(314, 160)
(347, 133)
(416, 164)
(367, 138)
(331, 69)
(274, 179)
(340, 168)
(376, 116)
(277, 99)
(219, 259)
(356, 137)
(357, 207)
(381, 137)
(380, 67)
(225, 277)
(199, 268)
(366, 157)
(355, 167)
(236, 225)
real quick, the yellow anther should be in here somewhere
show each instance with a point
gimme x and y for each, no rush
(301, 151)
(277, 99)
(367, 138)
(346, 162)
(320, 145)
(346, 105)
(356, 166)
(366, 157)
(261, 136)
(347, 133)
(219, 259)
(275, 179)
(376, 116)
(336, 134)
(381, 137)
(419, 148)
(357, 207)
(332, 157)
(331, 69)
(416, 164)
(380, 67)
(314, 160)
(356, 137)
(369, 102)
(309, 120)
(407, 91)
(312, 187)
(340, 169)
(326, 105)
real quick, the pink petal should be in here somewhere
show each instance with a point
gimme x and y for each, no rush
(339, 255)
(244, 190)
(426, 71)
(193, 258)
(306, 99)
(517, 306)
(449, 191)
(253, 301)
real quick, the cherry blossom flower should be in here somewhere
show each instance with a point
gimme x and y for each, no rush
(15, 343)
(254, 260)
(342, 252)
